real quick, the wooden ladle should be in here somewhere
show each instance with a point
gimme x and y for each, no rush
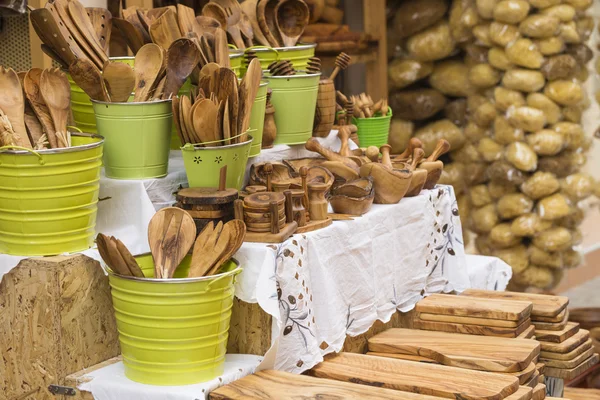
(56, 92)
(12, 104)
(171, 234)
(182, 57)
(291, 17)
(148, 65)
(119, 79)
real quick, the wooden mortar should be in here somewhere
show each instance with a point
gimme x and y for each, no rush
(434, 166)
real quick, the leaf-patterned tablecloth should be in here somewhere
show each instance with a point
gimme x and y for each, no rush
(324, 285)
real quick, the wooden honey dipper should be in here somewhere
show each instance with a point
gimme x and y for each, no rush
(314, 65)
(341, 62)
(281, 68)
(249, 55)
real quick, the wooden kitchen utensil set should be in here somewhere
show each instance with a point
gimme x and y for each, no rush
(34, 108)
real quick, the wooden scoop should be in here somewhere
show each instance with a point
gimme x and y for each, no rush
(31, 84)
(119, 79)
(88, 77)
(313, 145)
(148, 65)
(419, 174)
(12, 104)
(132, 36)
(434, 166)
(56, 92)
(265, 15)
(291, 17)
(102, 23)
(249, 9)
(165, 30)
(182, 57)
(171, 234)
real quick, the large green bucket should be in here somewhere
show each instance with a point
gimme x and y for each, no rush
(49, 198)
(235, 61)
(295, 99)
(203, 164)
(173, 332)
(373, 131)
(257, 119)
(298, 55)
(137, 138)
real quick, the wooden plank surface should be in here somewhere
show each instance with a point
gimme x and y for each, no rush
(582, 394)
(567, 356)
(464, 306)
(472, 329)
(543, 305)
(569, 374)
(407, 376)
(484, 353)
(557, 336)
(466, 320)
(527, 333)
(567, 364)
(278, 385)
(568, 345)
(524, 393)
(539, 392)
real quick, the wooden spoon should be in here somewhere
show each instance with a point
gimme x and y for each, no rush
(265, 15)
(203, 119)
(57, 37)
(182, 57)
(120, 80)
(84, 24)
(221, 49)
(165, 30)
(175, 108)
(291, 17)
(12, 104)
(237, 233)
(215, 247)
(148, 65)
(56, 92)
(31, 85)
(206, 24)
(132, 36)
(249, 9)
(216, 12)
(101, 20)
(249, 87)
(128, 258)
(207, 237)
(88, 77)
(185, 106)
(111, 256)
(171, 234)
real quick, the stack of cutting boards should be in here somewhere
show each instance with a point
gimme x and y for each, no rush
(566, 350)
(481, 316)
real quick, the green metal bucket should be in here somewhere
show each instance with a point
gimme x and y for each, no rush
(257, 119)
(174, 331)
(49, 198)
(202, 164)
(298, 55)
(137, 138)
(235, 61)
(373, 131)
(295, 99)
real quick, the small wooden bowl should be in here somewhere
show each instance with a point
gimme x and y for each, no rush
(344, 201)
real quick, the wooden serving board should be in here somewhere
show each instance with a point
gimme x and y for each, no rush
(582, 394)
(534, 380)
(568, 345)
(552, 326)
(485, 353)
(567, 356)
(527, 333)
(569, 374)
(471, 329)
(541, 367)
(523, 393)
(543, 305)
(278, 385)
(267, 237)
(466, 320)
(539, 392)
(568, 364)
(406, 376)
(557, 336)
(525, 375)
(464, 306)
(559, 318)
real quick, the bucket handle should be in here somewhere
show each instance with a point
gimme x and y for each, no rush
(232, 46)
(35, 153)
(190, 146)
(264, 47)
(235, 272)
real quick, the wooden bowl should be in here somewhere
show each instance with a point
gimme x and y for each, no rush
(390, 185)
(358, 188)
(353, 198)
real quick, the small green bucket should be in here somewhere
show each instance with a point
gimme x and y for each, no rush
(257, 119)
(373, 131)
(298, 55)
(49, 198)
(202, 164)
(137, 138)
(235, 61)
(173, 332)
(295, 99)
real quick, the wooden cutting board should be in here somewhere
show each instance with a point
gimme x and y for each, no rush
(559, 318)
(406, 376)
(278, 385)
(525, 375)
(568, 364)
(569, 374)
(568, 345)
(472, 329)
(485, 353)
(552, 326)
(534, 380)
(527, 333)
(539, 392)
(466, 320)
(582, 394)
(464, 306)
(570, 355)
(524, 393)
(543, 305)
(557, 336)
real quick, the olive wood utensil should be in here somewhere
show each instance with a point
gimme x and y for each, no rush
(207, 50)
(249, 9)
(226, 126)
(31, 85)
(132, 36)
(60, 10)
(209, 69)
(227, 90)
(207, 24)
(89, 79)
(233, 13)
(119, 79)
(186, 18)
(206, 239)
(159, 89)
(171, 234)
(175, 108)
(291, 17)
(148, 16)
(434, 166)
(215, 247)
(189, 138)
(148, 65)
(413, 143)
(128, 258)
(185, 106)
(111, 256)
(182, 57)
(130, 15)
(265, 15)
(220, 123)
(246, 29)
(56, 92)
(53, 55)
(216, 12)
(237, 233)
(313, 144)
(204, 120)
(165, 29)
(249, 87)
(33, 126)
(84, 24)
(221, 49)
(101, 20)
(12, 104)
(419, 174)
(55, 36)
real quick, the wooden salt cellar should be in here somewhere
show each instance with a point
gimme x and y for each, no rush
(269, 129)
(208, 204)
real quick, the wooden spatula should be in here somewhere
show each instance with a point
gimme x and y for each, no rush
(237, 233)
(56, 92)
(221, 49)
(89, 79)
(12, 104)
(119, 79)
(84, 24)
(130, 15)
(171, 234)
(102, 22)
(211, 252)
(248, 89)
(148, 65)
(182, 57)
(128, 258)
(132, 36)
(165, 30)
(186, 18)
(31, 84)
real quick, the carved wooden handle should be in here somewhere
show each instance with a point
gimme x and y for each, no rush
(418, 155)
(344, 136)
(385, 153)
(313, 145)
(413, 144)
(442, 147)
(268, 170)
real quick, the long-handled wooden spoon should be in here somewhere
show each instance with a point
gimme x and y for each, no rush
(249, 87)
(291, 17)
(31, 84)
(171, 234)
(182, 57)
(56, 92)
(12, 104)
(148, 65)
(89, 78)
(119, 79)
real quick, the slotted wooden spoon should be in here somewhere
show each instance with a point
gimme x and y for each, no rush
(102, 22)
(84, 24)
(56, 92)
(12, 104)
(57, 37)
(148, 65)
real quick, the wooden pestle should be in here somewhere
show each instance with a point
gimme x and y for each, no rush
(268, 170)
(418, 155)
(372, 153)
(442, 147)
(313, 144)
(344, 136)
(385, 156)
(304, 175)
(413, 144)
